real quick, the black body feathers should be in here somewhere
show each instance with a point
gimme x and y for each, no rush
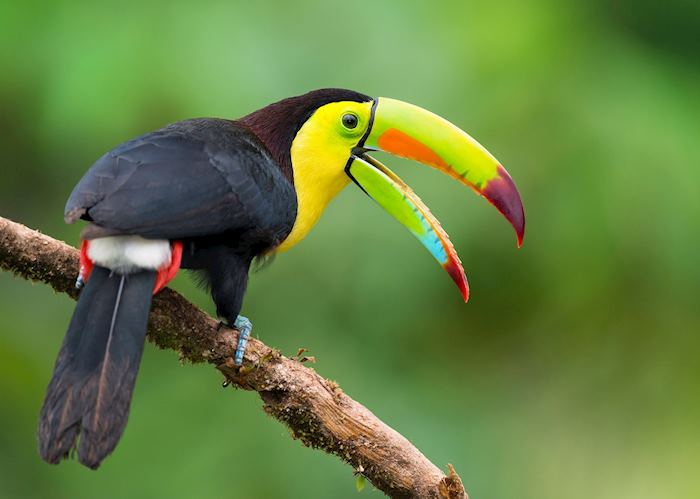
(192, 179)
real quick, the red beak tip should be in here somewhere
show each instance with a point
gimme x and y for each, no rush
(456, 272)
(464, 289)
(502, 193)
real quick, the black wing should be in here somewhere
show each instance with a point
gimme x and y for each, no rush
(193, 178)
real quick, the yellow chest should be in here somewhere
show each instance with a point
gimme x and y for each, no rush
(318, 176)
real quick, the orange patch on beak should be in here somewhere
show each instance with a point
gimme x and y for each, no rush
(400, 144)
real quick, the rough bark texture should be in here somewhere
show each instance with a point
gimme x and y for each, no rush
(315, 409)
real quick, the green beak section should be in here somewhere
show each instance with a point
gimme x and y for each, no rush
(397, 199)
(412, 132)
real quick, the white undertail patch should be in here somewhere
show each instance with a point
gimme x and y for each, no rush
(127, 254)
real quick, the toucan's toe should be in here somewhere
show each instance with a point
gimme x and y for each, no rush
(244, 327)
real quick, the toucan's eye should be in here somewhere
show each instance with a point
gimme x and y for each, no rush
(350, 121)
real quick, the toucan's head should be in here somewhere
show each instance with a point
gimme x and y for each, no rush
(321, 140)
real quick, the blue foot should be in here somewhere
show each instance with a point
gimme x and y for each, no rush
(245, 327)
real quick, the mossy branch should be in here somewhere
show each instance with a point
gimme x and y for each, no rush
(315, 409)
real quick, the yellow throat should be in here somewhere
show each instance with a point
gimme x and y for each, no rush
(319, 156)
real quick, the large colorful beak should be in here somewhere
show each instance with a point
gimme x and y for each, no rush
(411, 132)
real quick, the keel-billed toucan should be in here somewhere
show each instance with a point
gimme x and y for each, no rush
(214, 194)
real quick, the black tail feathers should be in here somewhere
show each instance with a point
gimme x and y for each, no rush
(89, 394)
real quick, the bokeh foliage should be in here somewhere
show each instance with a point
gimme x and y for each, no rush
(572, 372)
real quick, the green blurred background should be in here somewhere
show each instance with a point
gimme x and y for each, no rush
(573, 371)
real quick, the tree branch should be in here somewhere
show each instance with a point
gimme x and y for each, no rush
(315, 409)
